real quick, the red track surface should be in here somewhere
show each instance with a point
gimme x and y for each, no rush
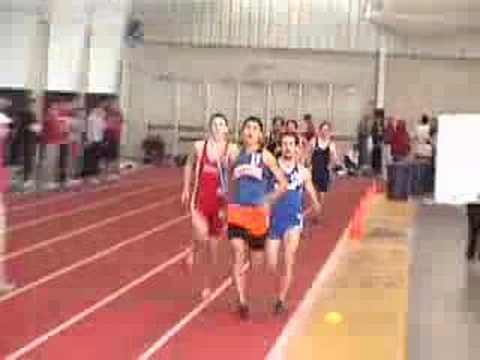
(124, 328)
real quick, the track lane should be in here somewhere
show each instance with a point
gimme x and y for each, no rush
(52, 303)
(59, 208)
(24, 239)
(146, 311)
(75, 199)
(21, 201)
(34, 267)
(158, 305)
(253, 339)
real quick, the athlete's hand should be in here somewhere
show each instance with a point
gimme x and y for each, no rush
(186, 198)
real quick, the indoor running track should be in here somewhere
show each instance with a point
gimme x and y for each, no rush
(100, 275)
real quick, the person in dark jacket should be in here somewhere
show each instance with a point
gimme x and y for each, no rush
(30, 132)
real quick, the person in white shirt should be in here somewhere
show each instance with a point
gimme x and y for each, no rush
(423, 139)
(77, 131)
(93, 149)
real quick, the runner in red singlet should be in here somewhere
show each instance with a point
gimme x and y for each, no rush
(207, 198)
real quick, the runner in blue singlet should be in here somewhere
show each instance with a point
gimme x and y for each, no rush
(287, 214)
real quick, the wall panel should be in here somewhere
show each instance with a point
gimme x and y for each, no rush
(222, 100)
(315, 102)
(284, 100)
(414, 86)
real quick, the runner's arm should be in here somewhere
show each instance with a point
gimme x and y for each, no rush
(311, 190)
(333, 155)
(304, 152)
(188, 170)
(272, 164)
(310, 145)
(233, 152)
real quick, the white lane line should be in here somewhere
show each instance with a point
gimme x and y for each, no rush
(90, 259)
(91, 206)
(32, 345)
(303, 311)
(73, 193)
(162, 341)
(56, 239)
(185, 320)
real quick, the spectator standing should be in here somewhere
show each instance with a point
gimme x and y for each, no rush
(5, 122)
(423, 138)
(51, 137)
(364, 141)
(400, 142)
(31, 132)
(93, 149)
(112, 139)
(77, 136)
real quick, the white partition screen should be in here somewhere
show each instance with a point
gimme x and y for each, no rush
(457, 179)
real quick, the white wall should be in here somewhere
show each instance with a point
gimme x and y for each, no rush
(417, 86)
(38, 60)
(16, 32)
(449, 45)
(326, 24)
(253, 69)
(107, 34)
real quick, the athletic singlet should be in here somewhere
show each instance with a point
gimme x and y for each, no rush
(250, 180)
(320, 160)
(209, 184)
(291, 202)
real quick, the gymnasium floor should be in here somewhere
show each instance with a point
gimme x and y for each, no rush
(100, 275)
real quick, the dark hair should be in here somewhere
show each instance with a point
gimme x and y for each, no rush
(253, 119)
(323, 123)
(307, 117)
(294, 122)
(278, 119)
(290, 134)
(425, 119)
(217, 115)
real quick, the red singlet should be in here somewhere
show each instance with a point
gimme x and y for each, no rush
(209, 201)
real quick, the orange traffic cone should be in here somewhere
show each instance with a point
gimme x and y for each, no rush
(356, 231)
(370, 195)
(361, 218)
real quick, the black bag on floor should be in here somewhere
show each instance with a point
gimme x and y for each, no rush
(398, 181)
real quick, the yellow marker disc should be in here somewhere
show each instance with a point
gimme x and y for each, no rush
(333, 318)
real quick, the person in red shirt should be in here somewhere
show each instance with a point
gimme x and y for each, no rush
(56, 135)
(51, 136)
(5, 122)
(112, 139)
(65, 120)
(400, 141)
